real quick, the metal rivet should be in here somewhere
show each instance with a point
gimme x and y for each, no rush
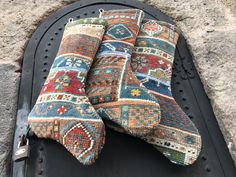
(186, 107)
(204, 158)
(40, 172)
(208, 169)
(40, 160)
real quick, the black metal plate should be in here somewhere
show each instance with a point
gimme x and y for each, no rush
(123, 155)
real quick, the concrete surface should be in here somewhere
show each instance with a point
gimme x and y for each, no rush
(210, 29)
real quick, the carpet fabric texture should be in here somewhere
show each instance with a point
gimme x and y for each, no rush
(112, 87)
(63, 111)
(128, 85)
(176, 136)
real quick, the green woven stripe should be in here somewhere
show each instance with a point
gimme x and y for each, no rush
(173, 155)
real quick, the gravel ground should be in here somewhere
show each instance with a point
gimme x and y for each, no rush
(209, 27)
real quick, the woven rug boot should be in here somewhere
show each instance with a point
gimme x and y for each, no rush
(176, 136)
(63, 111)
(112, 87)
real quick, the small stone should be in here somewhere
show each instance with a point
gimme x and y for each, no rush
(210, 30)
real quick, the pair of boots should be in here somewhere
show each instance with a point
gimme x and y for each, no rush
(128, 83)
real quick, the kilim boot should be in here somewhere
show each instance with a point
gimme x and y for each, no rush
(176, 136)
(63, 111)
(112, 87)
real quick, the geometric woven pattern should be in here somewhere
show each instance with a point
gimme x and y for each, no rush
(111, 86)
(176, 136)
(119, 32)
(63, 111)
(78, 136)
(214, 160)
